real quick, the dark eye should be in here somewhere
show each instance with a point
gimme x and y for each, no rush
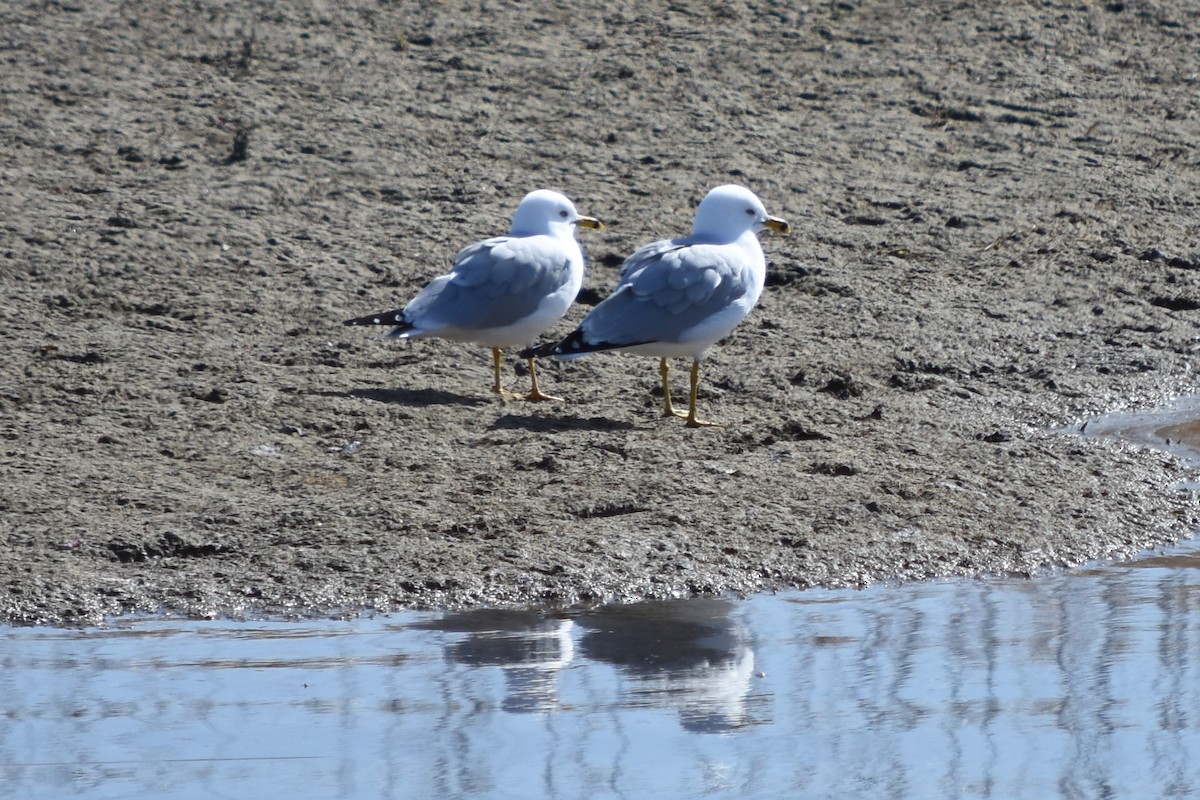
(750, 211)
(563, 214)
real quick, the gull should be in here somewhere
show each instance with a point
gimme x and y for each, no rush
(504, 291)
(677, 297)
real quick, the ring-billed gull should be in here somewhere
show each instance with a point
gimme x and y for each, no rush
(679, 296)
(502, 292)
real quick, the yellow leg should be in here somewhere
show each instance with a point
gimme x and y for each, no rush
(668, 409)
(496, 387)
(692, 422)
(535, 394)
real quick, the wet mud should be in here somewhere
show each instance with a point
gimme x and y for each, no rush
(996, 237)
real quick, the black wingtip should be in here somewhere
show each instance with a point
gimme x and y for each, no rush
(539, 351)
(573, 343)
(386, 318)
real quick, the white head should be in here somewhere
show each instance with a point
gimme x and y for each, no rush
(728, 212)
(543, 212)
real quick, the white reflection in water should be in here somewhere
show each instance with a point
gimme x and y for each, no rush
(529, 649)
(694, 657)
(1078, 685)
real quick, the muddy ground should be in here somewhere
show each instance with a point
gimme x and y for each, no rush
(996, 234)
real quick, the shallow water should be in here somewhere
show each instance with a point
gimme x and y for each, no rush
(1079, 684)
(1174, 427)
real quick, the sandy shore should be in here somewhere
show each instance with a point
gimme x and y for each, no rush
(996, 234)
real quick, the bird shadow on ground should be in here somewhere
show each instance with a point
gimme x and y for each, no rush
(416, 397)
(555, 424)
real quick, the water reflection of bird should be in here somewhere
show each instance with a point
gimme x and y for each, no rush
(690, 655)
(530, 647)
(687, 655)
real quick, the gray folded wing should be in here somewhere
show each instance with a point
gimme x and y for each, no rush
(493, 284)
(666, 289)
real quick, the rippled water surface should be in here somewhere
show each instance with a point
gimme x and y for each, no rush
(1080, 684)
